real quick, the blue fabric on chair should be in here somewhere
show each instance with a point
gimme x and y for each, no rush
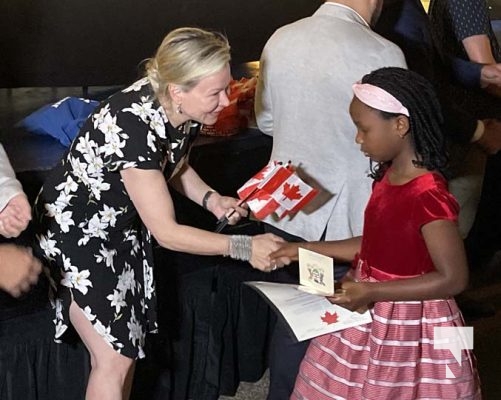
(61, 120)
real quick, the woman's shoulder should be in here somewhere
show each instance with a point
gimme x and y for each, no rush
(138, 92)
(135, 107)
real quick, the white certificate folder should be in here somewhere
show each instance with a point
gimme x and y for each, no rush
(308, 315)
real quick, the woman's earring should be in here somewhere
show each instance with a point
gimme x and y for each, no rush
(179, 110)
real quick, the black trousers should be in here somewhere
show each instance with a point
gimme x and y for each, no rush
(484, 238)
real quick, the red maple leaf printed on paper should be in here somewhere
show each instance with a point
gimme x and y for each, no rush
(292, 192)
(329, 318)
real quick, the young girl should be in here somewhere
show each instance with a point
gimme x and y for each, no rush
(409, 262)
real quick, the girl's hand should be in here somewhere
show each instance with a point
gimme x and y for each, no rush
(225, 205)
(16, 215)
(354, 296)
(348, 277)
(287, 253)
(262, 246)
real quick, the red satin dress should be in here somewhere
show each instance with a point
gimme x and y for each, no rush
(394, 357)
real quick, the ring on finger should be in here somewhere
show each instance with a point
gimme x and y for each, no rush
(275, 266)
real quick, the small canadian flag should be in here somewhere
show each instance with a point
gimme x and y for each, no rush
(276, 189)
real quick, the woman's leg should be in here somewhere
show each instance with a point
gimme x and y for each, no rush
(111, 374)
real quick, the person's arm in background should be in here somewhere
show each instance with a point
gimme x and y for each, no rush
(473, 75)
(19, 269)
(15, 210)
(406, 23)
(462, 127)
(472, 27)
(262, 100)
(490, 75)
(478, 41)
(478, 48)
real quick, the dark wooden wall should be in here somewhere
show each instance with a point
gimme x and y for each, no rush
(101, 42)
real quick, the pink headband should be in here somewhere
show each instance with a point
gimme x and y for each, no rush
(378, 98)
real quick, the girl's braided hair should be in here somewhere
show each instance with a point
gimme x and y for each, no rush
(418, 96)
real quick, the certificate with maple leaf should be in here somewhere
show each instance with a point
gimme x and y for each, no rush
(307, 315)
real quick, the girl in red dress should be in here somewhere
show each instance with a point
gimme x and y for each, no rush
(409, 263)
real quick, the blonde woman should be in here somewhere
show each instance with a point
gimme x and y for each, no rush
(100, 209)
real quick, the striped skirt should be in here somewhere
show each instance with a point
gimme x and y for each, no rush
(392, 358)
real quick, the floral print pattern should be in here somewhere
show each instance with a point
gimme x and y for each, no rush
(88, 231)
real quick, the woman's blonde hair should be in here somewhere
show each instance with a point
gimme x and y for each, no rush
(186, 56)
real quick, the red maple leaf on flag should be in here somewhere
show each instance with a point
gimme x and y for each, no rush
(329, 318)
(292, 192)
(261, 174)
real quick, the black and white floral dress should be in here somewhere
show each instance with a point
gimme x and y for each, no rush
(88, 230)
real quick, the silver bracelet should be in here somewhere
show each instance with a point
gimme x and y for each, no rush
(240, 247)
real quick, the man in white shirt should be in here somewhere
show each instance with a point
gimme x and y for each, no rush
(304, 90)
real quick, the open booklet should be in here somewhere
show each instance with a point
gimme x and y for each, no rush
(304, 307)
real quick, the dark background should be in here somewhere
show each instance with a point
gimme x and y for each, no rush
(95, 42)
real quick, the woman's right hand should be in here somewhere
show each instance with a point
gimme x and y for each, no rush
(262, 246)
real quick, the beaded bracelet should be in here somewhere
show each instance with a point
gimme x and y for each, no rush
(240, 247)
(205, 199)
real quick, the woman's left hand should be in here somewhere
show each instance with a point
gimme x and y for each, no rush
(225, 205)
(354, 296)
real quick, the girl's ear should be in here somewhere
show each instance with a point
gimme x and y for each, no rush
(402, 125)
(175, 93)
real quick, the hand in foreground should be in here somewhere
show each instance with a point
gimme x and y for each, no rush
(16, 215)
(19, 269)
(262, 246)
(491, 139)
(354, 296)
(225, 205)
